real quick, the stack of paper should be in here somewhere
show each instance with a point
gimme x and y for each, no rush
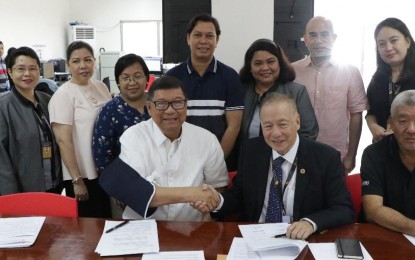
(175, 255)
(259, 243)
(136, 237)
(19, 232)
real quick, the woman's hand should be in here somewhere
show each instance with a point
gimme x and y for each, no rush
(80, 190)
(378, 132)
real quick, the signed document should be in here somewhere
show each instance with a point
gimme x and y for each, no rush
(175, 255)
(19, 232)
(135, 237)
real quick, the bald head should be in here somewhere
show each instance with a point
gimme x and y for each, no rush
(319, 39)
(320, 20)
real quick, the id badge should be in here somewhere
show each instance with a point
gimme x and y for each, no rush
(46, 150)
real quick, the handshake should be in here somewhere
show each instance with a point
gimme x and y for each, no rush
(204, 198)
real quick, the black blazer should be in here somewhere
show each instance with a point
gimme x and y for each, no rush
(320, 192)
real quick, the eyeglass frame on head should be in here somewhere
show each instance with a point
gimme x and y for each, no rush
(22, 70)
(129, 79)
(182, 103)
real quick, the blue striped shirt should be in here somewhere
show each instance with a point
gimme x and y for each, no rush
(210, 95)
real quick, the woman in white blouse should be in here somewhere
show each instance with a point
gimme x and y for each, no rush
(73, 110)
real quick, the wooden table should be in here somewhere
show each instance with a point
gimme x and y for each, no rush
(77, 238)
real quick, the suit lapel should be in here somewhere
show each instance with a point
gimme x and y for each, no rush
(263, 154)
(303, 176)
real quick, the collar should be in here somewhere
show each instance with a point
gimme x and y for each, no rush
(24, 100)
(290, 155)
(159, 137)
(309, 63)
(213, 66)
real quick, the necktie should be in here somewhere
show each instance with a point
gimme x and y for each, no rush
(275, 205)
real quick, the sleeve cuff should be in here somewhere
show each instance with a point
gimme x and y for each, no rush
(312, 223)
(220, 203)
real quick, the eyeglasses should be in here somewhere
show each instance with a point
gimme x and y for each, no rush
(135, 79)
(164, 105)
(22, 70)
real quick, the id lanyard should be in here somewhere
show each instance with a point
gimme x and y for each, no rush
(289, 177)
(47, 142)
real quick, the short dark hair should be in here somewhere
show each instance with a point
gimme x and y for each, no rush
(24, 51)
(76, 45)
(287, 72)
(1, 42)
(165, 82)
(128, 60)
(9, 51)
(203, 18)
(409, 61)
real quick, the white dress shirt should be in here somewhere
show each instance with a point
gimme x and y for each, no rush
(191, 160)
(288, 196)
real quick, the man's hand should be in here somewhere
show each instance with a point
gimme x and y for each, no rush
(205, 198)
(300, 230)
(349, 162)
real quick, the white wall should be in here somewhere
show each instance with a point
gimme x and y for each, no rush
(29, 23)
(45, 23)
(242, 22)
(106, 15)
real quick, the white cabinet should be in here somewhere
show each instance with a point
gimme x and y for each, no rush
(107, 62)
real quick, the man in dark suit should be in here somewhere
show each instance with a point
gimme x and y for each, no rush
(314, 198)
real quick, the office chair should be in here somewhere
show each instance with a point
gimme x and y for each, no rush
(354, 185)
(231, 175)
(231, 217)
(38, 204)
(106, 81)
(151, 79)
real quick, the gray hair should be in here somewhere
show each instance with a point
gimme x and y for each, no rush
(405, 98)
(275, 97)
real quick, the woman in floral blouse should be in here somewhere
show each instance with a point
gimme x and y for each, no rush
(125, 110)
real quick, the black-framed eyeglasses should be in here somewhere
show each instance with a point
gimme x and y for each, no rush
(164, 105)
(136, 79)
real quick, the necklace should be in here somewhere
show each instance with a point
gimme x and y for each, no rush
(89, 94)
(86, 91)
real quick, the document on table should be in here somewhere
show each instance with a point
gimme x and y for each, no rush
(136, 237)
(175, 255)
(327, 251)
(260, 237)
(19, 232)
(240, 251)
(410, 238)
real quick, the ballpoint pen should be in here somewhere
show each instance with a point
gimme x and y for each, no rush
(117, 226)
(280, 235)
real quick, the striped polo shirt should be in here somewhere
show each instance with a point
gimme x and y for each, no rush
(3, 75)
(210, 95)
